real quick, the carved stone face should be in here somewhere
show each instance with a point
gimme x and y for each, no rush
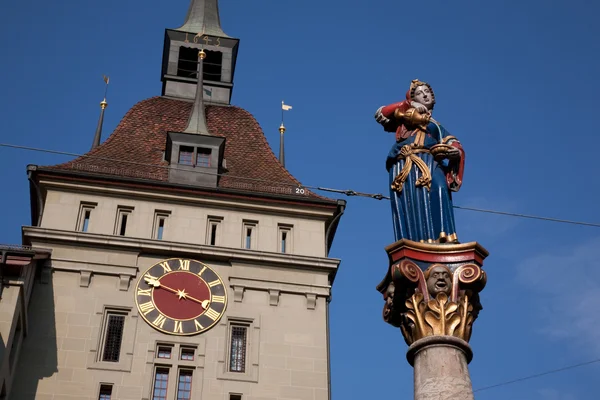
(439, 281)
(424, 96)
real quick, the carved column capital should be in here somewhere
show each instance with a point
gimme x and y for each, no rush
(433, 291)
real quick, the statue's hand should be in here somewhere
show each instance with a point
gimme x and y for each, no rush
(419, 107)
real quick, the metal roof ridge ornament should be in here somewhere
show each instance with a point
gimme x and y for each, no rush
(203, 15)
(197, 120)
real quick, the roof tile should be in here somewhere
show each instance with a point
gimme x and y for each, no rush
(136, 147)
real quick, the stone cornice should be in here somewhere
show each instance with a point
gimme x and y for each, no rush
(226, 254)
(282, 206)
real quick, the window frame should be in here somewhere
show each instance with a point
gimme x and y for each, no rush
(105, 326)
(179, 374)
(103, 386)
(252, 321)
(96, 345)
(288, 230)
(208, 157)
(253, 227)
(84, 207)
(158, 216)
(167, 347)
(230, 361)
(122, 212)
(192, 155)
(154, 375)
(187, 349)
(210, 222)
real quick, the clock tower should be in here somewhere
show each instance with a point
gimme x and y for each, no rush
(178, 259)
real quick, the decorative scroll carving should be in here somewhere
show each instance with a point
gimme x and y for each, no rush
(438, 301)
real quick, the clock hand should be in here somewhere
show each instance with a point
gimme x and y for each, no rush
(181, 293)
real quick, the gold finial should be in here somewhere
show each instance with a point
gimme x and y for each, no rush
(282, 128)
(201, 54)
(103, 103)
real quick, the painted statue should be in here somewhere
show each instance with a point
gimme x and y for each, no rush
(425, 166)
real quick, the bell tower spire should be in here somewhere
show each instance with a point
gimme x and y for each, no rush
(203, 17)
(201, 30)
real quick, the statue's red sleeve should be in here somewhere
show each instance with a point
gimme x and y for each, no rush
(385, 116)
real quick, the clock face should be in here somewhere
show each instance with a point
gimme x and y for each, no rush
(181, 297)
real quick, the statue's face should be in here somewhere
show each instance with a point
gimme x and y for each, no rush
(424, 96)
(439, 281)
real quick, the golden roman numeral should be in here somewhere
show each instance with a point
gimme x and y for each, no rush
(184, 265)
(218, 299)
(147, 308)
(214, 283)
(165, 266)
(212, 314)
(178, 327)
(202, 270)
(144, 292)
(198, 325)
(160, 321)
(148, 276)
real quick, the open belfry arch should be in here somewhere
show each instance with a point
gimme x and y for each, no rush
(176, 259)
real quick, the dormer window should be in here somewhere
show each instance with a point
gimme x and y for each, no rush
(186, 155)
(201, 155)
(189, 153)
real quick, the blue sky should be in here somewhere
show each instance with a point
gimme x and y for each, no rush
(515, 81)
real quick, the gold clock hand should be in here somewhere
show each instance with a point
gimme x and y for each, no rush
(181, 293)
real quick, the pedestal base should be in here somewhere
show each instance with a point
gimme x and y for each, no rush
(441, 371)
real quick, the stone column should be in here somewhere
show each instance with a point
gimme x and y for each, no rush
(431, 293)
(441, 371)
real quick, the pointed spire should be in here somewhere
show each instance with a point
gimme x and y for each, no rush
(197, 121)
(203, 17)
(281, 147)
(284, 107)
(103, 105)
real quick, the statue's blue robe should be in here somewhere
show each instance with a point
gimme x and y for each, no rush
(420, 214)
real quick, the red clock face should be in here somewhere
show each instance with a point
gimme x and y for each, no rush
(181, 297)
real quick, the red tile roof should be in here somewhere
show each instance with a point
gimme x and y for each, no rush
(141, 137)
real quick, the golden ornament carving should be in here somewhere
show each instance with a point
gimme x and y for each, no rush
(437, 302)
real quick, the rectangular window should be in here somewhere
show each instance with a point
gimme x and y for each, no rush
(212, 66)
(163, 352)
(249, 233)
(186, 155)
(187, 354)
(85, 212)
(235, 396)
(237, 353)
(86, 220)
(160, 222)
(123, 217)
(212, 230)
(285, 239)
(105, 392)
(203, 157)
(184, 385)
(113, 336)
(161, 379)
(187, 64)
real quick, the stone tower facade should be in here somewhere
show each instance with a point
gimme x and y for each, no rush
(176, 260)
